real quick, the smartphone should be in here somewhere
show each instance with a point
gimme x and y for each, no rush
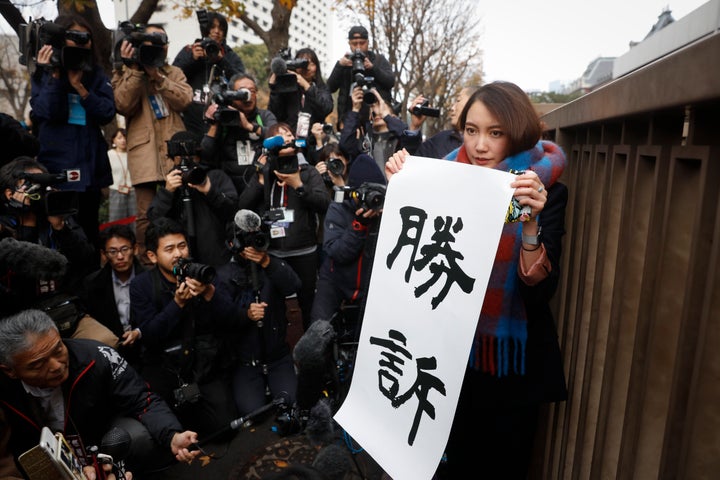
(51, 459)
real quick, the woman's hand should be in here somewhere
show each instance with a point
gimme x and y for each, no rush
(395, 163)
(357, 99)
(529, 190)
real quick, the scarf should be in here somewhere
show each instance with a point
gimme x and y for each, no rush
(501, 333)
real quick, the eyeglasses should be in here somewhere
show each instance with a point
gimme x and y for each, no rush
(113, 252)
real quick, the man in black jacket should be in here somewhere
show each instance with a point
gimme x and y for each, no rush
(375, 65)
(80, 388)
(110, 285)
(208, 60)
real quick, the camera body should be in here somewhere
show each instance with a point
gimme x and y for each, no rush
(186, 393)
(293, 64)
(258, 239)
(211, 47)
(48, 202)
(358, 63)
(186, 268)
(38, 33)
(192, 173)
(368, 196)
(229, 116)
(336, 166)
(423, 109)
(291, 420)
(152, 55)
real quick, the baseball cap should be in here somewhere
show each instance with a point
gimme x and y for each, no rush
(358, 31)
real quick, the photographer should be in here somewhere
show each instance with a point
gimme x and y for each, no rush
(237, 130)
(206, 56)
(310, 95)
(71, 99)
(379, 137)
(183, 317)
(350, 234)
(259, 284)
(151, 96)
(81, 388)
(292, 194)
(200, 199)
(373, 65)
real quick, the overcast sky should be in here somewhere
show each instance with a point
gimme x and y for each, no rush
(534, 43)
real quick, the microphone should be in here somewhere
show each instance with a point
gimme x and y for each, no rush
(116, 442)
(333, 462)
(30, 260)
(320, 428)
(46, 179)
(247, 221)
(312, 355)
(278, 66)
(282, 400)
(274, 142)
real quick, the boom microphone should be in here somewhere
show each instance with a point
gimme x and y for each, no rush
(312, 355)
(247, 221)
(278, 66)
(333, 462)
(274, 142)
(319, 428)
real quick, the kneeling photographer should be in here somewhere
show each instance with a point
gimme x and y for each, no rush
(237, 129)
(203, 200)
(182, 318)
(259, 283)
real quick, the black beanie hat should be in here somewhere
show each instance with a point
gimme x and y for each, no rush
(364, 169)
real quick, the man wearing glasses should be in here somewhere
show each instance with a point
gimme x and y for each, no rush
(110, 285)
(234, 139)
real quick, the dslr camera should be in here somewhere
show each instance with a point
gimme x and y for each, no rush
(186, 150)
(334, 166)
(186, 268)
(152, 55)
(423, 109)
(361, 80)
(38, 33)
(368, 196)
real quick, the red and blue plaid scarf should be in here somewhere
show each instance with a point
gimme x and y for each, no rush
(501, 333)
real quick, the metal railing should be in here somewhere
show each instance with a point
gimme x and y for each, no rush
(638, 308)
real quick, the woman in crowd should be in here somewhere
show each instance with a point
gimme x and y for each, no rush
(122, 194)
(515, 363)
(71, 99)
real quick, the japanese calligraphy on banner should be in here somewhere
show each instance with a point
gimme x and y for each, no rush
(439, 233)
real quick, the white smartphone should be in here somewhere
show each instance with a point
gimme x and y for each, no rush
(51, 459)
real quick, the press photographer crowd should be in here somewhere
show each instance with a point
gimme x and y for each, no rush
(128, 343)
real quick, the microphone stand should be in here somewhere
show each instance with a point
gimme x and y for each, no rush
(189, 216)
(254, 277)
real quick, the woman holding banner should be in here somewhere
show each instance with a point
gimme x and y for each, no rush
(515, 363)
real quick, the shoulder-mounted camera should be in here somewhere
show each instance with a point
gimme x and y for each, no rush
(149, 47)
(38, 33)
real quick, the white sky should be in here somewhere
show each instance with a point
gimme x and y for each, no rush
(534, 43)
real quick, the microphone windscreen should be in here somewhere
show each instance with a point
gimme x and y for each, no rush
(333, 462)
(30, 260)
(278, 66)
(116, 443)
(311, 350)
(319, 428)
(247, 220)
(274, 142)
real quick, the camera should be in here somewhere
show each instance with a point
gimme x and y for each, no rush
(192, 173)
(368, 85)
(187, 393)
(334, 166)
(186, 268)
(38, 33)
(358, 63)
(368, 196)
(211, 47)
(259, 239)
(150, 55)
(225, 98)
(423, 109)
(292, 63)
(291, 420)
(328, 129)
(44, 201)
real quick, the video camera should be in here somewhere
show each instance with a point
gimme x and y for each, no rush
(225, 97)
(152, 55)
(211, 47)
(286, 82)
(258, 239)
(38, 33)
(293, 64)
(48, 202)
(186, 268)
(423, 109)
(186, 150)
(368, 196)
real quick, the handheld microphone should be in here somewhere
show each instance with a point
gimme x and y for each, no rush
(116, 442)
(274, 142)
(247, 220)
(278, 66)
(282, 400)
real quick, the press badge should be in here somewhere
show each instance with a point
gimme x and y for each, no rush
(277, 232)
(76, 112)
(245, 152)
(158, 105)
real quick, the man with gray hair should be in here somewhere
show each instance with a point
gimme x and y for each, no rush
(81, 388)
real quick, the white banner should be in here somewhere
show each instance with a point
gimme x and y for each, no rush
(440, 229)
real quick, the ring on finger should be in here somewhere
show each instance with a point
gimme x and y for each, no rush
(540, 189)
